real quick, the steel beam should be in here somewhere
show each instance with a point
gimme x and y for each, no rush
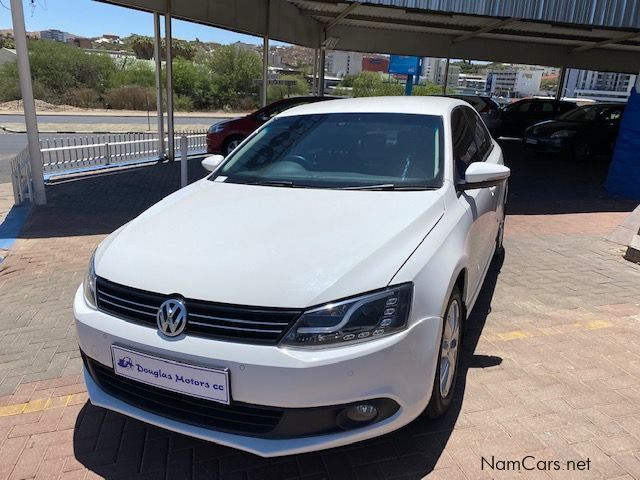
(561, 81)
(28, 103)
(265, 57)
(610, 41)
(348, 9)
(323, 54)
(492, 26)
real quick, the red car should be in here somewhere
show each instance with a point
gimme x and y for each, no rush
(224, 136)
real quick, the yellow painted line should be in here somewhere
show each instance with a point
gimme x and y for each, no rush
(35, 405)
(543, 332)
(514, 335)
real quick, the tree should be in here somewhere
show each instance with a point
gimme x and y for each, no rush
(549, 84)
(235, 73)
(366, 84)
(142, 46)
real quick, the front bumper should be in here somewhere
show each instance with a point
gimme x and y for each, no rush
(545, 144)
(400, 368)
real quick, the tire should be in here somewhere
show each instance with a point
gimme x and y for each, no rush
(444, 381)
(230, 144)
(582, 152)
(499, 241)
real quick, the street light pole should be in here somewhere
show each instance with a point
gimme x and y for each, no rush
(26, 89)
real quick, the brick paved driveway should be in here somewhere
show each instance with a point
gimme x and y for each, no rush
(551, 364)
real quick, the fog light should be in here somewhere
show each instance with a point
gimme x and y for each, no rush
(362, 413)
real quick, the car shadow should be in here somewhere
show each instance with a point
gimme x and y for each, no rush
(115, 446)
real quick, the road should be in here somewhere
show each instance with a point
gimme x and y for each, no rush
(89, 119)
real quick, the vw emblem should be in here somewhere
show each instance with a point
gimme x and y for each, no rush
(172, 317)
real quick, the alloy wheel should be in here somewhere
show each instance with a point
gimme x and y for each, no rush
(449, 348)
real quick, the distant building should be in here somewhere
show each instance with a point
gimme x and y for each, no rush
(599, 86)
(115, 54)
(433, 70)
(340, 63)
(7, 55)
(471, 81)
(80, 42)
(514, 82)
(55, 35)
(109, 38)
(376, 63)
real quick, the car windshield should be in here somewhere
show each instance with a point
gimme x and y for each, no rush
(582, 114)
(385, 151)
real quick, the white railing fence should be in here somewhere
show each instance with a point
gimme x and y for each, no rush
(61, 155)
(21, 177)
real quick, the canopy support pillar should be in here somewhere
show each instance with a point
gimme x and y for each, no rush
(157, 53)
(169, 66)
(26, 89)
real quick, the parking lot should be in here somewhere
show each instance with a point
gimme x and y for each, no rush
(550, 371)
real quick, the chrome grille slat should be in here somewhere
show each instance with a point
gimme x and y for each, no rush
(234, 320)
(127, 308)
(208, 325)
(155, 307)
(248, 324)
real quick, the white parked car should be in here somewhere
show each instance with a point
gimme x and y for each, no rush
(310, 292)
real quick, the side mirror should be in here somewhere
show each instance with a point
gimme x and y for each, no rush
(483, 175)
(212, 162)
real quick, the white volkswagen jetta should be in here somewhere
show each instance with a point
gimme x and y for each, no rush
(311, 291)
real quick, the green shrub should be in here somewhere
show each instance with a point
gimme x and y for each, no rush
(130, 97)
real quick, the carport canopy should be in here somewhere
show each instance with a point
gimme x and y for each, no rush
(588, 34)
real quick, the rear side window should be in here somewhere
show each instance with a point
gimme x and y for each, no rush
(464, 143)
(547, 107)
(481, 135)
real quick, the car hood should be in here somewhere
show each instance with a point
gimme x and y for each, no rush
(547, 127)
(269, 246)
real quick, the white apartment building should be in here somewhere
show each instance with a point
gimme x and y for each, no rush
(341, 64)
(514, 82)
(599, 86)
(472, 81)
(433, 70)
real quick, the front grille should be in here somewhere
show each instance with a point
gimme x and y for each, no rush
(206, 319)
(236, 418)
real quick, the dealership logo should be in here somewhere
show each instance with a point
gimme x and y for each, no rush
(172, 317)
(125, 362)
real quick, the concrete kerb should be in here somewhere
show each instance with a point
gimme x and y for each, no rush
(628, 235)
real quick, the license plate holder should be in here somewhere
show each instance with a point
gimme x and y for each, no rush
(202, 382)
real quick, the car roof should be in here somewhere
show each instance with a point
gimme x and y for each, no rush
(428, 105)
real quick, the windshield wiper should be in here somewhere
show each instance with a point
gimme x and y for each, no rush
(383, 186)
(388, 186)
(274, 183)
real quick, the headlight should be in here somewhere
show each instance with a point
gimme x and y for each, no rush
(563, 134)
(356, 319)
(216, 128)
(89, 284)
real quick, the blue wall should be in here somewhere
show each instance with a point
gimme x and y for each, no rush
(624, 172)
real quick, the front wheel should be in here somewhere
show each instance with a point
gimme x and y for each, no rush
(230, 144)
(447, 368)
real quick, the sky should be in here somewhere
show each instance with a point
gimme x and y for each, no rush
(88, 18)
